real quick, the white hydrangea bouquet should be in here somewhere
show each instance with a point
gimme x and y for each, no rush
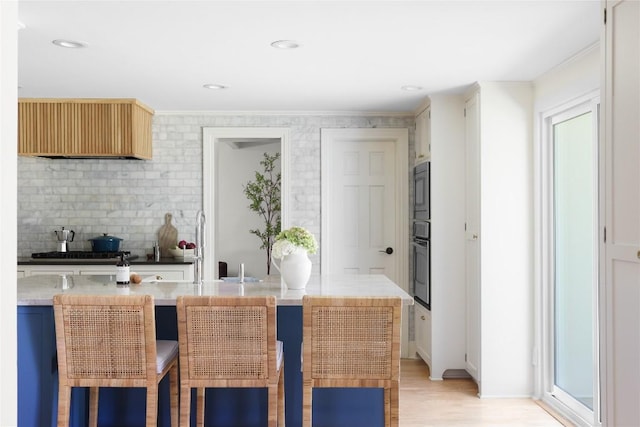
(293, 239)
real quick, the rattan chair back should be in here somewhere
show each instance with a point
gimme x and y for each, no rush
(108, 341)
(229, 342)
(351, 342)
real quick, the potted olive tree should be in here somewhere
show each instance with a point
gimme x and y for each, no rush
(264, 197)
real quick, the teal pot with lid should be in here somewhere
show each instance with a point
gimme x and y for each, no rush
(105, 243)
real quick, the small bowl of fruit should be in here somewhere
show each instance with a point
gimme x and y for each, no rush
(183, 249)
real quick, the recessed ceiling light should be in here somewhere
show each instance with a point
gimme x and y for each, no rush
(214, 86)
(411, 88)
(285, 44)
(69, 44)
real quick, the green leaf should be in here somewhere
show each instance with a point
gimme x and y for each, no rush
(264, 198)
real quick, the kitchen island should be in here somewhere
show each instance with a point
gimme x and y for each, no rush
(37, 367)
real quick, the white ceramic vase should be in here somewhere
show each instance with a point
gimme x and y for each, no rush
(295, 269)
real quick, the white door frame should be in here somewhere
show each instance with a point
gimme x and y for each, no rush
(544, 375)
(401, 228)
(210, 137)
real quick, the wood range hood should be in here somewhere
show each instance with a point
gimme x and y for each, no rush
(84, 128)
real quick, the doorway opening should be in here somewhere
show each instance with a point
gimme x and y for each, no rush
(231, 158)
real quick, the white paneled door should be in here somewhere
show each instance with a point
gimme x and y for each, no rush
(365, 202)
(360, 188)
(362, 211)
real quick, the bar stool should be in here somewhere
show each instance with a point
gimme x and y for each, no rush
(229, 342)
(351, 342)
(110, 341)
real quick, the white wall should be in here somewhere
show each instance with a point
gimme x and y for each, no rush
(571, 79)
(234, 243)
(8, 191)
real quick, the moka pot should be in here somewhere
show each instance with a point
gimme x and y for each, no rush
(64, 236)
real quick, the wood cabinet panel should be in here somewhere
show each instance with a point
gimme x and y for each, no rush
(84, 128)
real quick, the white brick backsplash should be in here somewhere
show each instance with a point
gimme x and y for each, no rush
(129, 198)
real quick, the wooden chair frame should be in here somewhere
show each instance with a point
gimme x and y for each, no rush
(109, 341)
(351, 342)
(214, 334)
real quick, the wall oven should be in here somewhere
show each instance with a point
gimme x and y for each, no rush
(421, 242)
(422, 263)
(421, 186)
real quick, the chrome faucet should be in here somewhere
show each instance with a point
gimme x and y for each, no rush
(199, 254)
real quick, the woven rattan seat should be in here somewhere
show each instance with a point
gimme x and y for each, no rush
(229, 342)
(110, 341)
(351, 342)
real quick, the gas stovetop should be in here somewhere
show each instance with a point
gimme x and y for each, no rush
(84, 255)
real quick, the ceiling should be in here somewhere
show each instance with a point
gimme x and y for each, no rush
(353, 55)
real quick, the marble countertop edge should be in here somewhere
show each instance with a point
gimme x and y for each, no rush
(39, 290)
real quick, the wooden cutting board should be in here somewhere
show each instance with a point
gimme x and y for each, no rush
(167, 236)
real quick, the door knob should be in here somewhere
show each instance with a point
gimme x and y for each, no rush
(388, 251)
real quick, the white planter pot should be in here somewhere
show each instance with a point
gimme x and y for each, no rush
(295, 269)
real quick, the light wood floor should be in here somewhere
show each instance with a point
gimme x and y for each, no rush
(454, 402)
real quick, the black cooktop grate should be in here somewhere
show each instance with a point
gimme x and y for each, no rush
(81, 255)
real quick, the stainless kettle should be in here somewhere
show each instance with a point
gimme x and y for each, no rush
(64, 236)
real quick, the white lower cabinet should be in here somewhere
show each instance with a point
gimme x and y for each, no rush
(423, 332)
(162, 271)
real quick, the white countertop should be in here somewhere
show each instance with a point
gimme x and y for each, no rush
(40, 289)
